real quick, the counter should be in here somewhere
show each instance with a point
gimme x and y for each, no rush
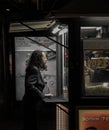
(56, 100)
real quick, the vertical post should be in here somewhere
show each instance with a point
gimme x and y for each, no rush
(74, 70)
(5, 28)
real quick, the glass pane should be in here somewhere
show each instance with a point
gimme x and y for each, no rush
(63, 39)
(96, 61)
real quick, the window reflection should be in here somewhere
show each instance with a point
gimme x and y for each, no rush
(96, 61)
(96, 72)
(96, 65)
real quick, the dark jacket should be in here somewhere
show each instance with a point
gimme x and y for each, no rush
(34, 84)
(33, 99)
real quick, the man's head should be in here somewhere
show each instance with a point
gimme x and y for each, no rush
(38, 58)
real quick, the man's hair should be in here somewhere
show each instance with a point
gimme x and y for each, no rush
(36, 60)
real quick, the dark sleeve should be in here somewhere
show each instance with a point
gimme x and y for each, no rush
(32, 78)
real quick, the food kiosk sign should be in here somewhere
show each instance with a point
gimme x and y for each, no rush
(100, 62)
(96, 119)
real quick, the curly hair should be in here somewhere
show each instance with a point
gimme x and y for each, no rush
(36, 60)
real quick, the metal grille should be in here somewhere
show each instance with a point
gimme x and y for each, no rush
(62, 121)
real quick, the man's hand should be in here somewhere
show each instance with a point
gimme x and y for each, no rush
(48, 95)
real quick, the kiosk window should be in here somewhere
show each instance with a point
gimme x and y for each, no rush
(96, 61)
(23, 49)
